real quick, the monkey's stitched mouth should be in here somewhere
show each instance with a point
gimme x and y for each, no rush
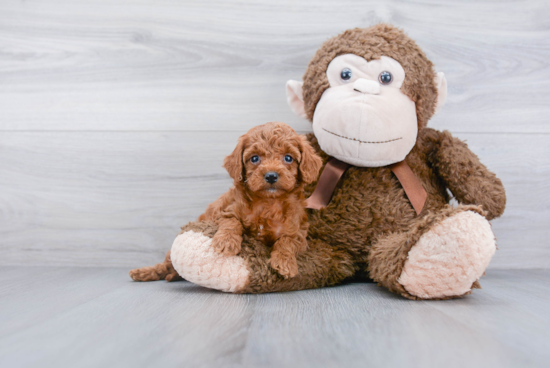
(357, 140)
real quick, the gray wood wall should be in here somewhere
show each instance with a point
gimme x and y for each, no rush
(115, 115)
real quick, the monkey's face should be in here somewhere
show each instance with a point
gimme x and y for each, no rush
(363, 118)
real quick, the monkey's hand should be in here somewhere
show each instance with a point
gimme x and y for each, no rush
(468, 179)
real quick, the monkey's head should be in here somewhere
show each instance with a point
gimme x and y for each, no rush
(367, 93)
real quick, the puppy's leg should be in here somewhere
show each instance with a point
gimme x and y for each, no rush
(228, 239)
(160, 271)
(283, 256)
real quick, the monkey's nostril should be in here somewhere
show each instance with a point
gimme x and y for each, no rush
(271, 177)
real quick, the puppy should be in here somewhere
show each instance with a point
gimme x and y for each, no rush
(270, 166)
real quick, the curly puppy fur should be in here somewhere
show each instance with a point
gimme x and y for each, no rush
(272, 212)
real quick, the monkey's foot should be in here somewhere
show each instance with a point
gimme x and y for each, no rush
(449, 258)
(195, 259)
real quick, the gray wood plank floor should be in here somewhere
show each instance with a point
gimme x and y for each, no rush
(98, 317)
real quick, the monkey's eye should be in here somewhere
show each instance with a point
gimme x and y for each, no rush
(385, 77)
(345, 74)
(255, 159)
(288, 159)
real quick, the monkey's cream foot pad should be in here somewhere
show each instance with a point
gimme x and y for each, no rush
(450, 257)
(195, 260)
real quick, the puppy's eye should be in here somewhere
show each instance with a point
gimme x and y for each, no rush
(345, 74)
(255, 159)
(385, 77)
(288, 159)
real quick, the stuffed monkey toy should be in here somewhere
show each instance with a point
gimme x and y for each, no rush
(381, 203)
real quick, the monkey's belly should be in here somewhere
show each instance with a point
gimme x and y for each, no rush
(370, 203)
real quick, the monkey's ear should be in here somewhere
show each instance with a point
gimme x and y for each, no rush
(234, 162)
(310, 164)
(295, 98)
(441, 84)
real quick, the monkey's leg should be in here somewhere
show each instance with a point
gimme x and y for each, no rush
(249, 271)
(442, 256)
(160, 271)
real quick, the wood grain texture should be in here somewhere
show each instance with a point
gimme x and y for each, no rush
(115, 117)
(97, 317)
(118, 198)
(195, 65)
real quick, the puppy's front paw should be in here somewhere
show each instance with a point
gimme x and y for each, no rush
(283, 263)
(227, 244)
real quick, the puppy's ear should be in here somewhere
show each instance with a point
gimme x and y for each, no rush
(234, 162)
(311, 163)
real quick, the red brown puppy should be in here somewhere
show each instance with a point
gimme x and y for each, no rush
(270, 167)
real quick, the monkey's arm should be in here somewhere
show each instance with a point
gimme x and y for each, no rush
(467, 178)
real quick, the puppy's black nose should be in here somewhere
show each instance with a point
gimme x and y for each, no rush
(271, 177)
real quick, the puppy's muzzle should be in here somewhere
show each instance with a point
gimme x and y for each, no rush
(271, 177)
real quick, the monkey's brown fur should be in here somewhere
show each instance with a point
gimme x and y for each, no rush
(370, 225)
(274, 214)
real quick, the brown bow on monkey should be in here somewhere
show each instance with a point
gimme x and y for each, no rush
(334, 169)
